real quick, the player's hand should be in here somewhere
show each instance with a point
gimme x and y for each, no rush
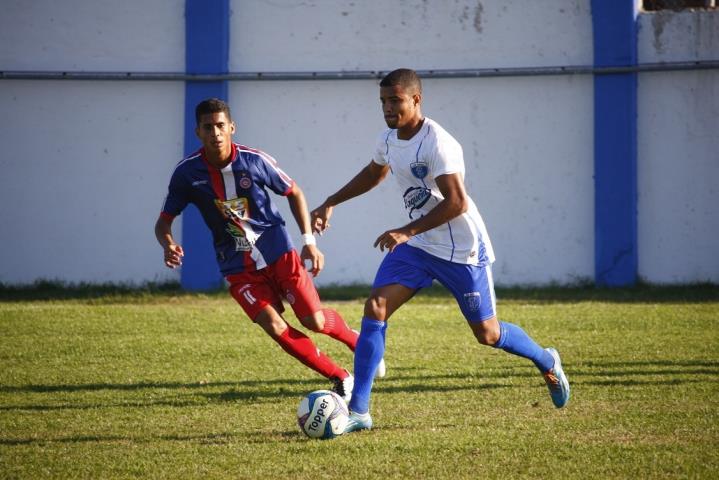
(320, 218)
(173, 255)
(315, 257)
(391, 238)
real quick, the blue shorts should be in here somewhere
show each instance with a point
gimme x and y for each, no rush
(472, 286)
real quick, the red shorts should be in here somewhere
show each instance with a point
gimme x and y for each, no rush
(286, 278)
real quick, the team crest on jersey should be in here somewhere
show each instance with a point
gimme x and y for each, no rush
(474, 300)
(419, 169)
(245, 181)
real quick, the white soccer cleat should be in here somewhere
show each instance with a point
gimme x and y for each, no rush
(343, 388)
(358, 421)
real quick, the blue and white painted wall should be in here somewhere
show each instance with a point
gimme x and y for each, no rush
(86, 162)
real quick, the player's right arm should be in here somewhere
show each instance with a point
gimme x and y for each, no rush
(368, 178)
(163, 232)
(175, 202)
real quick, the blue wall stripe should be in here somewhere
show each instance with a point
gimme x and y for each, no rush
(207, 46)
(615, 144)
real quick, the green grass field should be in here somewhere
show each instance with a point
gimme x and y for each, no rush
(157, 384)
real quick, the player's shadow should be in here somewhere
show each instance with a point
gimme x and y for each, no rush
(189, 394)
(203, 439)
(90, 387)
(637, 373)
(177, 394)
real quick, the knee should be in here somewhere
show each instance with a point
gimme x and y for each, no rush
(376, 308)
(314, 322)
(273, 325)
(486, 334)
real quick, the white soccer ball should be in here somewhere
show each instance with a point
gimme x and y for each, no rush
(322, 414)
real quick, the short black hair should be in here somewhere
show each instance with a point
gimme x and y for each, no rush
(211, 105)
(403, 77)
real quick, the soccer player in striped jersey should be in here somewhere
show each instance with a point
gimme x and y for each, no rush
(445, 239)
(229, 185)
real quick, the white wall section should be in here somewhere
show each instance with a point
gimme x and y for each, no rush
(85, 164)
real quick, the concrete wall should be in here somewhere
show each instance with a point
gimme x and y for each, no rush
(527, 141)
(678, 150)
(86, 163)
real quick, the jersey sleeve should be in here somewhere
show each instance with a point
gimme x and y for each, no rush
(177, 196)
(445, 156)
(381, 148)
(272, 175)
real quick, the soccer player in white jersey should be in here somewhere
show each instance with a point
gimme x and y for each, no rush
(445, 239)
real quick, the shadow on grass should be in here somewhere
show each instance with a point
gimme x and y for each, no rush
(405, 380)
(57, 290)
(701, 293)
(638, 383)
(243, 391)
(92, 387)
(700, 363)
(203, 439)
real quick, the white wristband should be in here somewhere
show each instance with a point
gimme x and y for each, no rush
(308, 239)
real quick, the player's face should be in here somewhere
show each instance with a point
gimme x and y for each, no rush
(215, 132)
(399, 106)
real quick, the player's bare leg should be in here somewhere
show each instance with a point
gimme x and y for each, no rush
(487, 331)
(384, 301)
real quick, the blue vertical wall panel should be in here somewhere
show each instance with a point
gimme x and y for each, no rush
(207, 44)
(615, 144)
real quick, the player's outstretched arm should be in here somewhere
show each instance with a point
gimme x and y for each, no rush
(298, 206)
(368, 178)
(172, 251)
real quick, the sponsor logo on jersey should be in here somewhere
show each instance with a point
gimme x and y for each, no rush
(242, 244)
(419, 169)
(415, 198)
(235, 211)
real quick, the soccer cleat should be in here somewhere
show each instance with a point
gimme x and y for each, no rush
(343, 387)
(358, 421)
(381, 370)
(557, 381)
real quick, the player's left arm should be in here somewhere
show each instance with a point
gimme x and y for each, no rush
(454, 204)
(298, 206)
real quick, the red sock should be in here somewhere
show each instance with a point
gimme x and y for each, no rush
(303, 349)
(337, 328)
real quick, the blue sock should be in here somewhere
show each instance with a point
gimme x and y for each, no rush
(368, 353)
(513, 339)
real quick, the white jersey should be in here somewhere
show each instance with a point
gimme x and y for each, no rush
(416, 163)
